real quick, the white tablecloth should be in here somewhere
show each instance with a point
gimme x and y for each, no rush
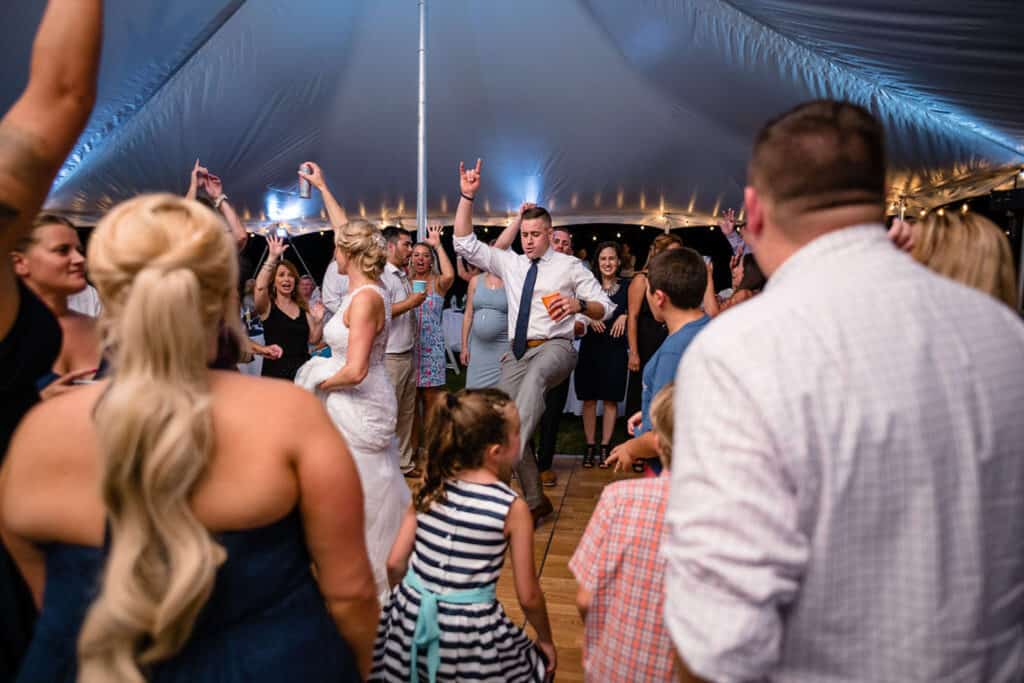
(451, 325)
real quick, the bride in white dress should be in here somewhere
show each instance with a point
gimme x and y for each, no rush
(356, 390)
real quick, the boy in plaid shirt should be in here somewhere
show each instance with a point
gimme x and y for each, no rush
(621, 575)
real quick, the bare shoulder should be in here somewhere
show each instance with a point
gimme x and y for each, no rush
(271, 402)
(54, 449)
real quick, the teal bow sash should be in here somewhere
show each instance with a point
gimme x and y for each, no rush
(428, 633)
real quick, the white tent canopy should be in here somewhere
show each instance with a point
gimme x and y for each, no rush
(636, 111)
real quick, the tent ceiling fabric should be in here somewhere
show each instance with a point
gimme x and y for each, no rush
(610, 110)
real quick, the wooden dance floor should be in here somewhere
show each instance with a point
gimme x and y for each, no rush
(554, 542)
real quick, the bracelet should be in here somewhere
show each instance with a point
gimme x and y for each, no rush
(465, 196)
(219, 200)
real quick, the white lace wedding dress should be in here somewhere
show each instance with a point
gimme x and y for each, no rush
(365, 415)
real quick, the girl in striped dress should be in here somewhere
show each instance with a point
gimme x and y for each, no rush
(442, 619)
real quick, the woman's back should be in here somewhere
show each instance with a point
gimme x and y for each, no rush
(265, 610)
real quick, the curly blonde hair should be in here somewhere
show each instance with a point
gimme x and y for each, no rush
(165, 269)
(968, 248)
(364, 244)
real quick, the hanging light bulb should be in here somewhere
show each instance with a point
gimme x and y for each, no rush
(964, 208)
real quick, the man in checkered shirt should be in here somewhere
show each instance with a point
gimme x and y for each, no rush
(847, 496)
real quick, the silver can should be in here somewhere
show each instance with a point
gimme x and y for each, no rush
(305, 191)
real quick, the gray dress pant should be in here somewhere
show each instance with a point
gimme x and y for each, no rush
(527, 380)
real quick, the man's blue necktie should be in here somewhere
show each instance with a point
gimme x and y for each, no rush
(523, 319)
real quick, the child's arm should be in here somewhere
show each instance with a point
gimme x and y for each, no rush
(398, 559)
(519, 526)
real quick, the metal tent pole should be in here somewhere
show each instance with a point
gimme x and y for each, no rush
(421, 148)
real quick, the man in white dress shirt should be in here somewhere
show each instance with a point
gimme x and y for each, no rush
(848, 503)
(404, 335)
(540, 334)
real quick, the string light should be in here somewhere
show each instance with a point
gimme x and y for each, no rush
(963, 208)
(941, 212)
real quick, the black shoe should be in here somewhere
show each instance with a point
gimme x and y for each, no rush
(544, 509)
(602, 458)
(588, 457)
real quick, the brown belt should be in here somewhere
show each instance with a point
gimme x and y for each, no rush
(534, 343)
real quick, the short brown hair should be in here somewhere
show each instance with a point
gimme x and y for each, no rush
(535, 212)
(820, 155)
(681, 274)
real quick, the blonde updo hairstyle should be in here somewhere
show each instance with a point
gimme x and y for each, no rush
(165, 269)
(364, 245)
(970, 249)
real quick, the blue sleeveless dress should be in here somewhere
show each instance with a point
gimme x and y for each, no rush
(265, 620)
(488, 336)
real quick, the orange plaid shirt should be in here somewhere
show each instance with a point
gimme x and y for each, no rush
(618, 562)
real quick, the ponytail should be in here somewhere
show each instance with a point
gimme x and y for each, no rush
(154, 430)
(461, 427)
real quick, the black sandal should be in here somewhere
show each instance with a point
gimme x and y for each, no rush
(588, 457)
(602, 461)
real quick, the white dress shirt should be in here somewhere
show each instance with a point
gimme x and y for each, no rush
(555, 273)
(334, 288)
(403, 327)
(848, 480)
(86, 302)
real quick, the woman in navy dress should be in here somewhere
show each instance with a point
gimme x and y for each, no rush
(163, 536)
(601, 368)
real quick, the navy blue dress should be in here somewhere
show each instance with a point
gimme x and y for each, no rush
(265, 620)
(603, 362)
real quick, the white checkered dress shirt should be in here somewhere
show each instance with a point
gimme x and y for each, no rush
(848, 478)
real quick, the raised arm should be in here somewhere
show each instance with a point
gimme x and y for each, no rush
(261, 293)
(447, 277)
(508, 236)
(37, 132)
(335, 213)
(466, 244)
(365, 321)
(193, 180)
(711, 307)
(214, 187)
(469, 183)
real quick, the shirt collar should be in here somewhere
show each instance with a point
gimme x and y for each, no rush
(549, 254)
(828, 246)
(395, 270)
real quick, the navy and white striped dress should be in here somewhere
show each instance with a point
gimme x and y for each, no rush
(460, 545)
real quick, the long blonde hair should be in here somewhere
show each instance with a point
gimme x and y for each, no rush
(363, 242)
(968, 248)
(165, 269)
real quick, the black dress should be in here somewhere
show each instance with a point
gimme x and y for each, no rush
(292, 335)
(26, 354)
(649, 336)
(601, 368)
